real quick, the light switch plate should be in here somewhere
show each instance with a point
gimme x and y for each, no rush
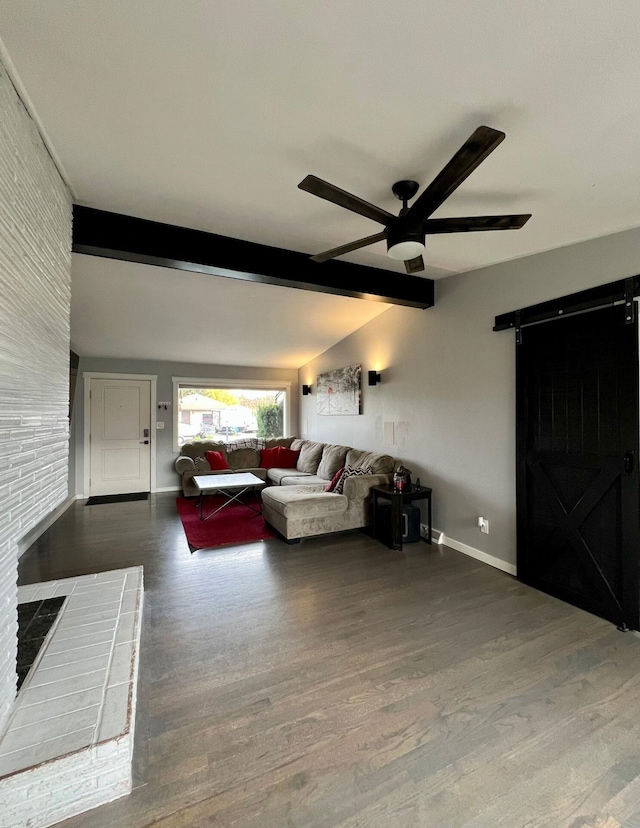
(159, 424)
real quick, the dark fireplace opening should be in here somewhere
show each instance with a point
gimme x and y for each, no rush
(35, 619)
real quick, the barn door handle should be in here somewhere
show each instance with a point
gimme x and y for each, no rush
(628, 462)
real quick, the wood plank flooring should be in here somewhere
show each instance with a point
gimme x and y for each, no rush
(338, 683)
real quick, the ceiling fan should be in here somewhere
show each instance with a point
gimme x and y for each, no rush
(405, 233)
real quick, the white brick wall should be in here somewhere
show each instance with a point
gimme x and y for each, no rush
(35, 295)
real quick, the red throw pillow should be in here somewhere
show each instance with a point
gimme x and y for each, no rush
(287, 458)
(334, 480)
(217, 460)
(269, 458)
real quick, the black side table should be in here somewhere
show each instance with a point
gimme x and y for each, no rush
(397, 500)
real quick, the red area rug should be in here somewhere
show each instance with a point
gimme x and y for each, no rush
(234, 524)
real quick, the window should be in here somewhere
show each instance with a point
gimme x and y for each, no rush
(227, 410)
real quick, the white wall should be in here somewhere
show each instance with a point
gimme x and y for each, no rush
(448, 383)
(35, 285)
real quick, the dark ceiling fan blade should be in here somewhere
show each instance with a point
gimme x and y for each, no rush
(347, 248)
(329, 192)
(470, 155)
(474, 223)
(414, 265)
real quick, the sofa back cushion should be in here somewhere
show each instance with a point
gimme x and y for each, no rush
(244, 458)
(332, 459)
(194, 450)
(310, 454)
(379, 463)
(279, 441)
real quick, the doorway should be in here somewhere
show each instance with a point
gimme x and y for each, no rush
(119, 434)
(578, 501)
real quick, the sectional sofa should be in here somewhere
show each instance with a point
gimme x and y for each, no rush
(297, 503)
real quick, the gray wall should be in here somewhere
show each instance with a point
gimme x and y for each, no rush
(165, 457)
(35, 286)
(448, 383)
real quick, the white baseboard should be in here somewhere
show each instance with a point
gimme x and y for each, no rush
(38, 530)
(472, 552)
(167, 489)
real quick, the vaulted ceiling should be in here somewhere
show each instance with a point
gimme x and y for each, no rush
(207, 115)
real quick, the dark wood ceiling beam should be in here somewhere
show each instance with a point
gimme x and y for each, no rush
(116, 236)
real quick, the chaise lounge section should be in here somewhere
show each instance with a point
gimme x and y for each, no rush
(300, 506)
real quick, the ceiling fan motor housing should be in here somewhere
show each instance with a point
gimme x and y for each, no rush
(405, 240)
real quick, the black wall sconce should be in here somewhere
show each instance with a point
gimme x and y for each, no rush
(306, 390)
(374, 378)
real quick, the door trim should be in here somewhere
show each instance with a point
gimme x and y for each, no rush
(87, 376)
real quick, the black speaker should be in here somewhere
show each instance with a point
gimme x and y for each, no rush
(410, 524)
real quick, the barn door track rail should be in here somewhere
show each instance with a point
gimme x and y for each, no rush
(614, 293)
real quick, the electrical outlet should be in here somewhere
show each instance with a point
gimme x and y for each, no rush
(483, 525)
(424, 530)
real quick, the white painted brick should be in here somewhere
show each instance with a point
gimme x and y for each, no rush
(82, 772)
(35, 285)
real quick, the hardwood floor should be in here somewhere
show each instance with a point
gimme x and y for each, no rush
(338, 683)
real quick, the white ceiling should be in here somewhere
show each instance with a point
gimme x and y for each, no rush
(120, 309)
(208, 115)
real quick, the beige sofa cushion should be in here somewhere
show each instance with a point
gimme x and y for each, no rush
(276, 475)
(297, 479)
(379, 463)
(296, 501)
(310, 454)
(332, 460)
(200, 449)
(245, 458)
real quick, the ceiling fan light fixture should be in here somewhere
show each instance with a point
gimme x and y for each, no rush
(405, 250)
(404, 243)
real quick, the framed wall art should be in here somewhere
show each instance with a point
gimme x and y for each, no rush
(339, 391)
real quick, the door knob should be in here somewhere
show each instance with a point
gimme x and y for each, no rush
(144, 442)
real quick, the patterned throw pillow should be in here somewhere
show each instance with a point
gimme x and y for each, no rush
(349, 471)
(201, 464)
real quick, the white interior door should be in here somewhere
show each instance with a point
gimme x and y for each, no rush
(120, 436)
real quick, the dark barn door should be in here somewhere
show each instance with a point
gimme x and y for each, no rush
(577, 462)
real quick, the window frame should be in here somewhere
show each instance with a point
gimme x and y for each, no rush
(224, 383)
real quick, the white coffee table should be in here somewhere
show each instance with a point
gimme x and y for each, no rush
(232, 486)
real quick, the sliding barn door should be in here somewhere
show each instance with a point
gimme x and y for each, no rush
(577, 462)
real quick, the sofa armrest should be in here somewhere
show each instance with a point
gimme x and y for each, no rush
(359, 486)
(185, 464)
